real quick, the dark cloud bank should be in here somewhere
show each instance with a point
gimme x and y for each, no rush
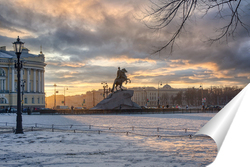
(82, 39)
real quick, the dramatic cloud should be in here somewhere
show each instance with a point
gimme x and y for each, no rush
(85, 41)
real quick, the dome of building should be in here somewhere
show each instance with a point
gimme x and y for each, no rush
(167, 86)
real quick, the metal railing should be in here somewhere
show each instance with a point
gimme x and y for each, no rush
(125, 111)
(163, 132)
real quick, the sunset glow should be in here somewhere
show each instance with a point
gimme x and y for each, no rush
(85, 41)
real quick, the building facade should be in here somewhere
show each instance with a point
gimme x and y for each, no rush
(148, 96)
(93, 97)
(32, 79)
(77, 101)
(143, 96)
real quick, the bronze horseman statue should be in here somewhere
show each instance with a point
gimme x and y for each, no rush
(120, 78)
(118, 99)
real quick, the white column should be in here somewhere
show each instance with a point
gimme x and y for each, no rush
(12, 80)
(34, 81)
(8, 81)
(39, 80)
(42, 81)
(28, 80)
(4, 83)
(21, 74)
(1, 83)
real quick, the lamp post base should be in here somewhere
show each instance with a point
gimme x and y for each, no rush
(20, 131)
(19, 127)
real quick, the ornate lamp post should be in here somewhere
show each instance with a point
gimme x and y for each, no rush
(55, 92)
(105, 87)
(64, 94)
(202, 99)
(23, 85)
(144, 89)
(18, 50)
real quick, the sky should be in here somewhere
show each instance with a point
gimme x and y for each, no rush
(84, 41)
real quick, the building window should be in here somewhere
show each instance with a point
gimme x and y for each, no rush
(2, 72)
(2, 80)
(2, 101)
(2, 84)
(25, 100)
(38, 100)
(33, 100)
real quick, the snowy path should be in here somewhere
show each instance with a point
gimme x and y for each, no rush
(44, 148)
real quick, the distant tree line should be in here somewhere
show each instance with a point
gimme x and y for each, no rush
(193, 96)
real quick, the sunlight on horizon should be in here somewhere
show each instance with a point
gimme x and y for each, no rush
(83, 88)
(85, 41)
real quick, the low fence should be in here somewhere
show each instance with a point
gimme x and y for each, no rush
(125, 111)
(160, 132)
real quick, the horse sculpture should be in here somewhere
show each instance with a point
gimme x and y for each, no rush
(119, 81)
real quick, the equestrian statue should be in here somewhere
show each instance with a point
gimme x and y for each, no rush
(120, 78)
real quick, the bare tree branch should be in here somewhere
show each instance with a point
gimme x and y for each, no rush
(164, 12)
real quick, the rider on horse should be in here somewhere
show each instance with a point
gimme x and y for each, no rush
(118, 73)
(121, 77)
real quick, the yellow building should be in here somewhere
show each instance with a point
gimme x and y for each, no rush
(92, 98)
(148, 96)
(32, 77)
(75, 101)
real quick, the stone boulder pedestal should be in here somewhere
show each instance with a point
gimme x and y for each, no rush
(118, 100)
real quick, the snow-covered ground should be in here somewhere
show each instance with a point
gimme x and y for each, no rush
(107, 140)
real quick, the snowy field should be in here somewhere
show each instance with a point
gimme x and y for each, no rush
(151, 140)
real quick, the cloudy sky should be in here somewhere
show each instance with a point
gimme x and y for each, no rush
(84, 41)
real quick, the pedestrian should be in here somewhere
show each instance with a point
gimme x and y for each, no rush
(28, 111)
(186, 107)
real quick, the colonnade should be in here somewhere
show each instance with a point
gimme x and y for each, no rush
(34, 79)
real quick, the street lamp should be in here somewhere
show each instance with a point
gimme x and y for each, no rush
(18, 50)
(55, 92)
(23, 85)
(64, 94)
(144, 89)
(202, 99)
(158, 102)
(105, 87)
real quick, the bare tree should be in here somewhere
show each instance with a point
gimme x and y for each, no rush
(161, 13)
(193, 96)
(178, 97)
